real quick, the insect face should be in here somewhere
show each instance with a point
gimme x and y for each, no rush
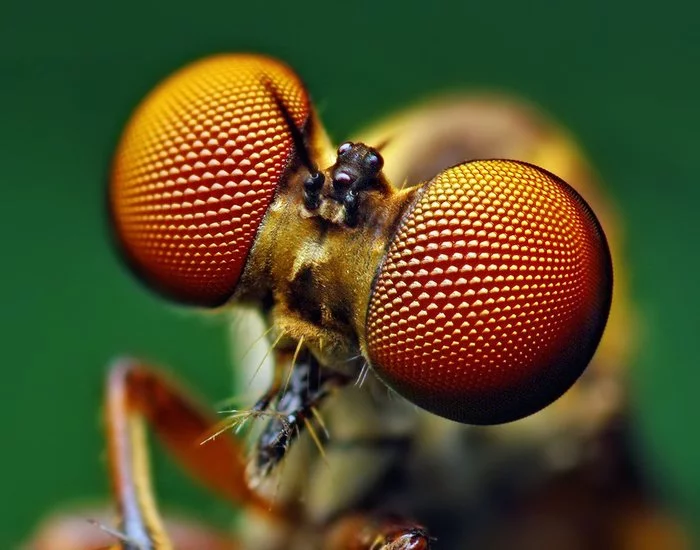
(480, 295)
(356, 170)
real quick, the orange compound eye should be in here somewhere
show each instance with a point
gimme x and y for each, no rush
(493, 294)
(197, 168)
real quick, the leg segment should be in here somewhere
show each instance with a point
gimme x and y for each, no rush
(137, 394)
(71, 531)
(292, 407)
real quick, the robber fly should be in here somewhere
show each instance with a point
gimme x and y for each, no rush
(405, 291)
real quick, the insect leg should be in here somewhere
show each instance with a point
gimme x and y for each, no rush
(136, 395)
(70, 530)
(294, 406)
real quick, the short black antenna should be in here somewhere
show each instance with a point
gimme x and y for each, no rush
(298, 138)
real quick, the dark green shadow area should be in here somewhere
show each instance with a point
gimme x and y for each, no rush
(622, 76)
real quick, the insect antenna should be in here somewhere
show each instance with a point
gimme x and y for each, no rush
(300, 145)
(382, 144)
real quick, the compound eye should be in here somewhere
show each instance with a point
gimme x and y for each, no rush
(196, 170)
(344, 148)
(493, 294)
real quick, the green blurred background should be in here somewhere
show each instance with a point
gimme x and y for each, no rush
(624, 77)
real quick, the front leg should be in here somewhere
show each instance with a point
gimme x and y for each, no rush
(293, 407)
(300, 385)
(138, 394)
